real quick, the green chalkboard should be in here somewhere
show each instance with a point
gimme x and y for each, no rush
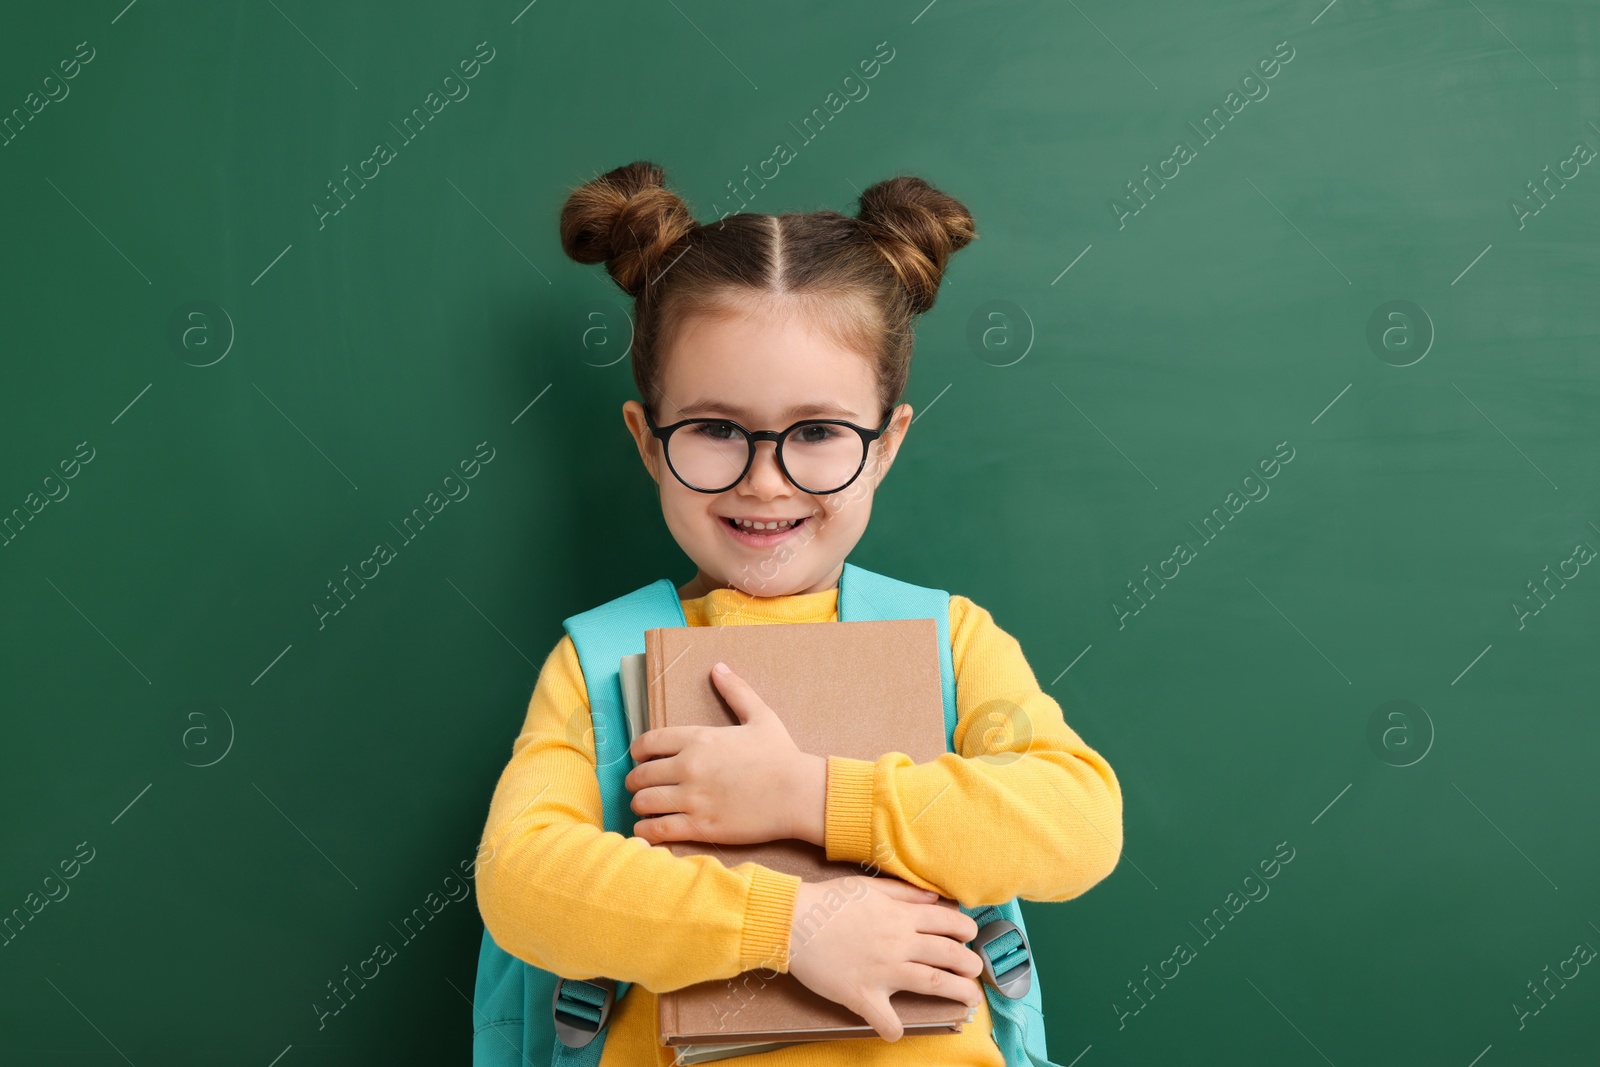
(1263, 412)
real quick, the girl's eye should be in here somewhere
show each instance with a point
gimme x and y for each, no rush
(815, 434)
(716, 431)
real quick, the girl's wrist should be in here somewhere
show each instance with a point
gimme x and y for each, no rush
(810, 797)
(809, 914)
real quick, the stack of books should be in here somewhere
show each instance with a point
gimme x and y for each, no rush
(855, 689)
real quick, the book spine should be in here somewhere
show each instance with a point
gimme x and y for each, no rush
(655, 680)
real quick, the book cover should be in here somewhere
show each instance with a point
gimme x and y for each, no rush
(855, 689)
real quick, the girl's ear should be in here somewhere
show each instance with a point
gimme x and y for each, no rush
(892, 437)
(633, 416)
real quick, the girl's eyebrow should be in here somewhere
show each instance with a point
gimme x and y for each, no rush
(796, 411)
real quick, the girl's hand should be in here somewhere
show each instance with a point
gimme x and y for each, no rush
(856, 940)
(731, 785)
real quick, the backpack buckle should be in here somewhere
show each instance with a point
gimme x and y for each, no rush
(1007, 960)
(581, 1008)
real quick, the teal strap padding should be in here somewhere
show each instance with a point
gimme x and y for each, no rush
(602, 636)
(587, 1056)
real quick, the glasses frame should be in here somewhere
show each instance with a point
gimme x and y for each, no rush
(777, 437)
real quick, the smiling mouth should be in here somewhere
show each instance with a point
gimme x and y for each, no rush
(766, 534)
(768, 527)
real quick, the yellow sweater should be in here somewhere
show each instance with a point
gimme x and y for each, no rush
(1026, 810)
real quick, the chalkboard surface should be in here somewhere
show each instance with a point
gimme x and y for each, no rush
(1263, 413)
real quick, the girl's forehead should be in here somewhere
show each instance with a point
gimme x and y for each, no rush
(766, 370)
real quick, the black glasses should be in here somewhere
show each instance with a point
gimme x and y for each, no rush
(820, 456)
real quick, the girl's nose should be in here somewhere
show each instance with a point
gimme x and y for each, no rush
(764, 475)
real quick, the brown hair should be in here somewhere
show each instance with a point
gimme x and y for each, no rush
(862, 278)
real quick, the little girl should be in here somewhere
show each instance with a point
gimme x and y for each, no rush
(800, 324)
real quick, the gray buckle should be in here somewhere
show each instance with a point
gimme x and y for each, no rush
(1015, 964)
(581, 1007)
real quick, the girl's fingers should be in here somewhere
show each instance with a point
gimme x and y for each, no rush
(937, 951)
(935, 981)
(741, 696)
(938, 919)
(662, 741)
(880, 1015)
(656, 800)
(665, 828)
(663, 771)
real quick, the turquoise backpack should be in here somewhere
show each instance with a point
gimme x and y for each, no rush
(524, 1015)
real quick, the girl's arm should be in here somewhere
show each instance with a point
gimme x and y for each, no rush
(1025, 810)
(559, 892)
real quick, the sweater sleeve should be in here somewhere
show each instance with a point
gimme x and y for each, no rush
(1021, 808)
(557, 890)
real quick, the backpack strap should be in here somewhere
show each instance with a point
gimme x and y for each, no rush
(1018, 1021)
(1011, 988)
(602, 636)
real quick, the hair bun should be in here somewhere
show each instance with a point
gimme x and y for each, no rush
(917, 228)
(628, 219)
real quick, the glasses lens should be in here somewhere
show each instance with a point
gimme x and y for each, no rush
(822, 457)
(708, 455)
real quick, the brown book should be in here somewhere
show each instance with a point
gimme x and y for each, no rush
(856, 689)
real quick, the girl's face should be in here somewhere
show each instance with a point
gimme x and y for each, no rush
(765, 372)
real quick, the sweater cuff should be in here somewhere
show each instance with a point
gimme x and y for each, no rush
(847, 830)
(768, 919)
